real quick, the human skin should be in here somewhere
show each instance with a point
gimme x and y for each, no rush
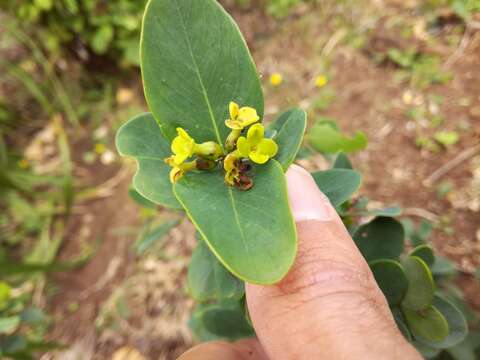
(327, 307)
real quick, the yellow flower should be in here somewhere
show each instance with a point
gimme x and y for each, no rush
(100, 148)
(276, 79)
(182, 146)
(255, 146)
(240, 118)
(232, 173)
(178, 170)
(321, 81)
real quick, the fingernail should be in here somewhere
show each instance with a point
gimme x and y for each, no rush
(307, 202)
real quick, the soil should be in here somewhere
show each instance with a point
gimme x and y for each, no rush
(151, 289)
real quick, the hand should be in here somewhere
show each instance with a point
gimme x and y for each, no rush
(327, 307)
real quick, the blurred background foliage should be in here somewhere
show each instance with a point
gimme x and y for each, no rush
(78, 247)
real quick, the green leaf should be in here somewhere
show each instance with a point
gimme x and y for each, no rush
(446, 138)
(154, 235)
(428, 323)
(9, 324)
(142, 139)
(325, 138)
(251, 232)
(224, 320)
(391, 279)
(342, 162)
(290, 135)
(338, 184)
(425, 253)
(457, 325)
(382, 238)
(102, 38)
(194, 62)
(209, 280)
(421, 287)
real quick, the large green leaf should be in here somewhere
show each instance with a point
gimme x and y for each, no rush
(429, 323)
(457, 325)
(421, 288)
(142, 139)
(195, 61)
(327, 139)
(382, 238)
(291, 127)
(338, 184)
(251, 232)
(391, 279)
(400, 321)
(209, 280)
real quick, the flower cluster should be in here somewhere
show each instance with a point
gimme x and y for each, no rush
(241, 147)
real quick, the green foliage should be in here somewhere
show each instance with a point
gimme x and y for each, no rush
(421, 288)
(419, 69)
(325, 137)
(20, 325)
(142, 139)
(209, 280)
(338, 184)
(382, 238)
(105, 27)
(391, 279)
(251, 232)
(289, 128)
(201, 110)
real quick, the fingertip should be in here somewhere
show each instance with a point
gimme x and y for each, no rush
(307, 202)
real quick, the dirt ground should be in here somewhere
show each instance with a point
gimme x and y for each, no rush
(120, 300)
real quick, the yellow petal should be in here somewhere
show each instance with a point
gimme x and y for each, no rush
(321, 81)
(258, 157)
(182, 148)
(183, 134)
(276, 79)
(243, 146)
(233, 124)
(178, 159)
(255, 134)
(247, 116)
(268, 147)
(233, 108)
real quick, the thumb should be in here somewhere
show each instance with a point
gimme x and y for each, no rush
(329, 305)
